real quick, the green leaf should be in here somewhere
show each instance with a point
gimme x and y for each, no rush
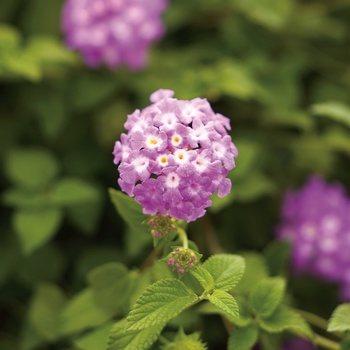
(31, 168)
(204, 277)
(110, 284)
(47, 49)
(255, 271)
(277, 257)
(243, 338)
(82, 312)
(340, 319)
(22, 64)
(226, 270)
(72, 191)
(138, 234)
(96, 339)
(159, 303)
(285, 319)
(224, 301)
(119, 339)
(267, 296)
(22, 198)
(9, 37)
(35, 228)
(46, 304)
(242, 320)
(335, 110)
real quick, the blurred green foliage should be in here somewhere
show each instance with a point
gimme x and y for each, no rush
(279, 69)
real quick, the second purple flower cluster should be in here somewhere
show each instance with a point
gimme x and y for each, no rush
(175, 156)
(113, 32)
(316, 220)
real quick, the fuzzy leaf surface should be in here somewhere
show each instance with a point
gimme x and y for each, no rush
(340, 319)
(267, 296)
(204, 277)
(225, 302)
(243, 338)
(159, 303)
(119, 339)
(226, 270)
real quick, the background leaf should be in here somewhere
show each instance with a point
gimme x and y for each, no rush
(243, 338)
(267, 296)
(35, 228)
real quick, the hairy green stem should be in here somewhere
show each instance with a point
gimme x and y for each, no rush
(183, 237)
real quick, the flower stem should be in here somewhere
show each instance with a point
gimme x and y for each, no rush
(326, 343)
(183, 237)
(313, 319)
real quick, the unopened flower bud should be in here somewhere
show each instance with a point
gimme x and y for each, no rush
(182, 259)
(161, 225)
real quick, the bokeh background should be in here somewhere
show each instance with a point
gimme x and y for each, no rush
(279, 69)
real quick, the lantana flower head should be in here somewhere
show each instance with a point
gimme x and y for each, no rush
(175, 156)
(113, 32)
(316, 220)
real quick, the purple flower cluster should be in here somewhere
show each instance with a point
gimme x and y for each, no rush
(316, 220)
(175, 156)
(113, 32)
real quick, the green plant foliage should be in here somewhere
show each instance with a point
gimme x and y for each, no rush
(255, 271)
(110, 284)
(277, 255)
(285, 319)
(138, 233)
(243, 338)
(340, 319)
(31, 168)
(71, 266)
(334, 110)
(204, 277)
(226, 270)
(73, 191)
(121, 339)
(95, 339)
(36, 227)
(224, 301)
(82, 312)
(159, 303)
(182, 341)
(46, 305)
(267, 295)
